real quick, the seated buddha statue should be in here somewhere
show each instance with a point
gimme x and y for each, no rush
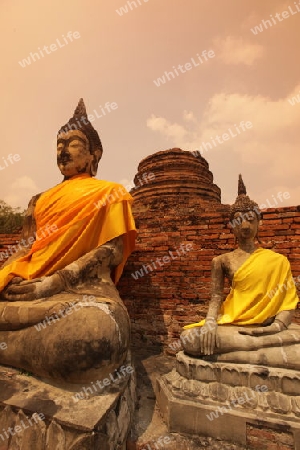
(254, 323)
(61, 316)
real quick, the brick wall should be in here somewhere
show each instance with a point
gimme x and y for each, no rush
(7, 244)
(262, 437)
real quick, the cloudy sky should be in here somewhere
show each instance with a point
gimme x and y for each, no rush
(179, 73)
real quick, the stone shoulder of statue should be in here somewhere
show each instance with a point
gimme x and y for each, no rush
(257, 276)
(58, 292)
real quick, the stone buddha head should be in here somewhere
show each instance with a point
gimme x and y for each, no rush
(244, 215)
(79, 148)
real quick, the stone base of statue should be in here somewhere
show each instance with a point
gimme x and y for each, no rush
(37, 415)
(242, 403)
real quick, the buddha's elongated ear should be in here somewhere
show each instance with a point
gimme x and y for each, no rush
(96, 158)
(258, 225)
(94, 166)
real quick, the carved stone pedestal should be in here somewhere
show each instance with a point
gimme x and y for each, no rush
(246, 404)
(38, 415)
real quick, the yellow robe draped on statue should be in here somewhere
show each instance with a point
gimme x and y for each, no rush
(73, 218)
(261, 288)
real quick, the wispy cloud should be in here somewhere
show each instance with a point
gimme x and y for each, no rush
(270, 146)
(20, 191)
(235, 50)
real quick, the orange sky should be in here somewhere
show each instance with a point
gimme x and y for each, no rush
(117, 58)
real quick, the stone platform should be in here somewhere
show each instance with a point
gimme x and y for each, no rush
(236, 402)
(149, 431)
(35, 414)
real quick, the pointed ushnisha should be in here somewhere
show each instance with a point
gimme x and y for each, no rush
(80, 110)
(243, 203)
(241, 186)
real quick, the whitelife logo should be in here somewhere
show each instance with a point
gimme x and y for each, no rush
(292, 101)
(9, 160)
(11, 431)
(120, 373)
(26, 243)
(281, 196)
(167, 259)
(265, 24)
(205, 146)
(132, 5)
(49, 49)
(183, 68)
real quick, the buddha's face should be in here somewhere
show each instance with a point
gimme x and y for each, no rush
(73, 153)
(245, 225)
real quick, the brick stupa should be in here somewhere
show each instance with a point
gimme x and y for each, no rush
(177, 204)
(175, 172)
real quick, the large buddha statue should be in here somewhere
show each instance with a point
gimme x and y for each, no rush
(60, 313)
(254, 323)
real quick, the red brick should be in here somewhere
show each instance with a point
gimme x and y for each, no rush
(271, 222)
(271, 216)
(217, 226)
(279, 226)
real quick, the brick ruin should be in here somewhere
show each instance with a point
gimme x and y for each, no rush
(182, 225)
(8, 245)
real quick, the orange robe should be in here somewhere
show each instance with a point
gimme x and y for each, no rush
(73, 218)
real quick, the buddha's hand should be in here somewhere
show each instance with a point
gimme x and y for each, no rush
(209, 338)
(33, 289)
(276, 327)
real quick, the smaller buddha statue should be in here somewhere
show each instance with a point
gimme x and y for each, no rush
(254, 323)
(61, 316)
